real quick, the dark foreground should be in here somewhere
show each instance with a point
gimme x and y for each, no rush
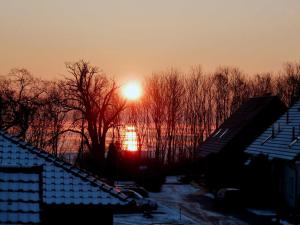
(188, 204)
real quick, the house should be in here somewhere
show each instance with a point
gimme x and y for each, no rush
(39, 188)
(243, 125)
(223, 151)
(279, 145)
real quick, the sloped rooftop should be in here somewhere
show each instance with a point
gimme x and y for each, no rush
(282, 139)
(20, 195)
(62, 183)
(244, 125)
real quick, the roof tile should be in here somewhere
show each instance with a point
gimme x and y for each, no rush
(61, 183)
(277, 141)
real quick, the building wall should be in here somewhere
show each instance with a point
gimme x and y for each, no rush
(291, 185)
(289, 180)
(297, 200)
(81, 214)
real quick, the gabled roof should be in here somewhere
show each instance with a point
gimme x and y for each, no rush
(282, 139)
(244, 125)
(62, 183)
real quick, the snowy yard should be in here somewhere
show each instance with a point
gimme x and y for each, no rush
(179, 204)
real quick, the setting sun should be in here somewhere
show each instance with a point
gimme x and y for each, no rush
(132, 90)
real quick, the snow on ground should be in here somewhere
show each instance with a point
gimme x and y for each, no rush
(179, 204)
(164, 215)
(260, 212)
(283, 222)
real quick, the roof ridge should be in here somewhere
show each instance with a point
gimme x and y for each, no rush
(82, 173)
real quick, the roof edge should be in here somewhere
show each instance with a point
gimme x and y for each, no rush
(83, 174)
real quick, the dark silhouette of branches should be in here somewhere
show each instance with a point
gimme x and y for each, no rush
(177, 112)
(20, 95)
(90, 93)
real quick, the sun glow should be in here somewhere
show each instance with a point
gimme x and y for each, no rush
(132, 90)
(130, 140)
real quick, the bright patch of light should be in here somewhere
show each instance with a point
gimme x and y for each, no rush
(130, 142)
(132, 90)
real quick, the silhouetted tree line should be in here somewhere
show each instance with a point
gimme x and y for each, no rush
(179, 110)
(176, 113)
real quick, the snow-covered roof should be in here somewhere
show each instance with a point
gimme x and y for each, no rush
(20, 195)
(243, 126)
(59, 182)
(282, 139)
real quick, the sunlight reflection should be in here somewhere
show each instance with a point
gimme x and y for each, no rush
(130, 139)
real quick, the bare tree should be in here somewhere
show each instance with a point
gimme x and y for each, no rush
(95, 97)
(195, 109)
(288, 83)
(174, 99)
(262, 84)
(157, 109)
(138, 117)
(175, 115)
(221, 87)
(20, 98)
(239, 89)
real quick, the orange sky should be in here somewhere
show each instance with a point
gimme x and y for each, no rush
(135, 37)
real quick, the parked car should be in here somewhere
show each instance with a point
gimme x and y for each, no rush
(142, 191)
(141, 202)
(229, 196)
(134, 187)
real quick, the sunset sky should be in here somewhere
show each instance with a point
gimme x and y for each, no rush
(128, 38)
